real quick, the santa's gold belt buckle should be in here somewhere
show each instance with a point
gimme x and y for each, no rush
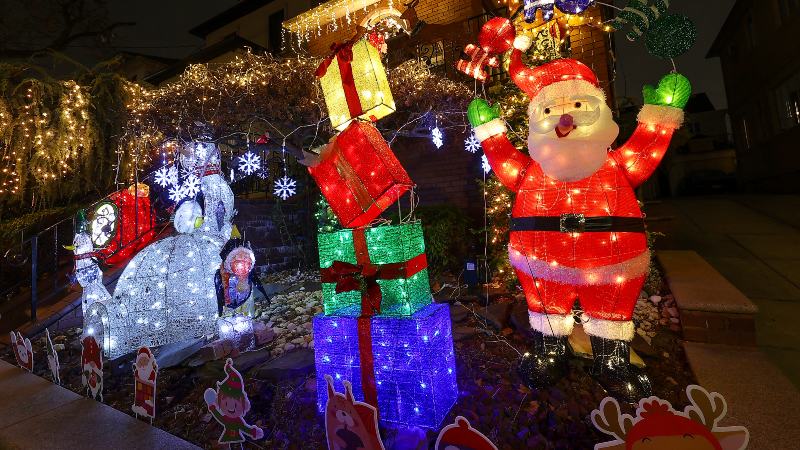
(572, 223)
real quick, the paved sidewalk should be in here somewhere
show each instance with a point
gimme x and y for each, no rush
(37, 414)
(754, 242)
(759, 396)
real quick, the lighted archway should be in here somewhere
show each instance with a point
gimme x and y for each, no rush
(375, 17)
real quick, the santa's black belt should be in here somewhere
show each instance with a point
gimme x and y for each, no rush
(578, 223)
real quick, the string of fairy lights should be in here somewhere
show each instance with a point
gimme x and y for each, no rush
(43, 141)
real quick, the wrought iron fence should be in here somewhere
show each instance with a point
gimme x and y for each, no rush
(40, 264)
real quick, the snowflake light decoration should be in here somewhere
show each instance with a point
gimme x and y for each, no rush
(262, 173)
(191, 186)
(472, 144)
(175, 193)
(162, 176)
(166, 176)
(249, 162)
(437, 137)
(285, 187)
(485, 164)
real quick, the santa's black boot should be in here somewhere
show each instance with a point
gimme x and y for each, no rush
(546, 363)
(613, 370)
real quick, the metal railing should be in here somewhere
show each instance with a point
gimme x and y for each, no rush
(40, 263)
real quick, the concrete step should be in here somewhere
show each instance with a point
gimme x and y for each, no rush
(711, 308)
(37, 414)
(759, 396)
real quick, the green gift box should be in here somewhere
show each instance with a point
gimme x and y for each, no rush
(374, 270)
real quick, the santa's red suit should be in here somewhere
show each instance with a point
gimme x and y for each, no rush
(577, 237)
(145, 371)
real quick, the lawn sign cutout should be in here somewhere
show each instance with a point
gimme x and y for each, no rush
(350, 424)
(657, 426)
(23, 351)
(52, 358)
(460, 434)
(92, 367)
(228, 404)
(145, 371)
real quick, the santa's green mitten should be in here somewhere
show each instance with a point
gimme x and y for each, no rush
(673, 90)
(479, 112)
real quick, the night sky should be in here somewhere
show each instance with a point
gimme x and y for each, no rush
(162, 29)
(635, 67)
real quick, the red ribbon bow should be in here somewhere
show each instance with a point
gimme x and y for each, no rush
(344, 51)
(357, 277)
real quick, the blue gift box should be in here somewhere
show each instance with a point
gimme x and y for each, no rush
(414, 364)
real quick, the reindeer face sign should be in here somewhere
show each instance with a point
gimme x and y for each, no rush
(349, 424)
(659, 427)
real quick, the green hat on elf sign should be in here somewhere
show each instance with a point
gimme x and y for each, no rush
(232, 386)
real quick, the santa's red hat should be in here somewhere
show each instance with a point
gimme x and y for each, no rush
(91, 351)
(461, 434)
(559, 78)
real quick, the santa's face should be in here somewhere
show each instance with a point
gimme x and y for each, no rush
(570, 136)
(22, 351)
(144, 367)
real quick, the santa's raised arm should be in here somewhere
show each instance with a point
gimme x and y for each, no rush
(577, 232)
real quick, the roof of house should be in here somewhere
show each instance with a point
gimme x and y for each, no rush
(241, 9)
(699, 103)
(232, 42)
(161, 59)
(729, 27)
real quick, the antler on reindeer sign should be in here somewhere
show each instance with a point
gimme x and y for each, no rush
(663, 428)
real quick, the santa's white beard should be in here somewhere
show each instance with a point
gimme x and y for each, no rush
(578, 155)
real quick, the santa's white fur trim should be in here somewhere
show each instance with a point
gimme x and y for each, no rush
(551, 324)
(567, 88)
(619, 330)
(610, 274)
(665, 116)
(489, 129)
(523, 42)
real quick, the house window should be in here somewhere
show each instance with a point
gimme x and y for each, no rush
(745, 133)
(750, 31)
(786, 9)
(275, 30)
(793, 107)
(788, 101)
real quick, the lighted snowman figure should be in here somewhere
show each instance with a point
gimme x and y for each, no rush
(87, 272)
(577, 232)
(167, 292)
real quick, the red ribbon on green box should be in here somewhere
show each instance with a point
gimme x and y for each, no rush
(363, 276)
(343, 53)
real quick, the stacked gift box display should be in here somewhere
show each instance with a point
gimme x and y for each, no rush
(380, 330)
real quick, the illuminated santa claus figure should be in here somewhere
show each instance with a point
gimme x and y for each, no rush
(577, 232)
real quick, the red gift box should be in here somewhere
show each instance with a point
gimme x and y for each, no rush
(359, 175)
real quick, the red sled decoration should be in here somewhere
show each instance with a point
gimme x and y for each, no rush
(359, 175)
(132, 229)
